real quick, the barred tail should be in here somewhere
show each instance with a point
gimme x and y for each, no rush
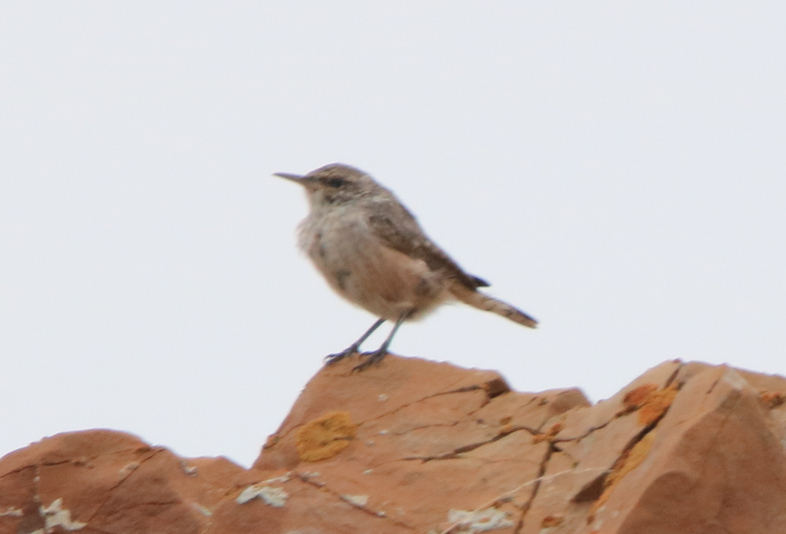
(484, 302)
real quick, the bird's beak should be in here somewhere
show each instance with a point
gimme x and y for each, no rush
(306, 181)
(292, 177)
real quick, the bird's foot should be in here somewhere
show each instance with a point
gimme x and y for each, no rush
(330, 359)
(372, 359)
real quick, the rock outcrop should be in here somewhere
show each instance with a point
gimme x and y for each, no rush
(413, 446)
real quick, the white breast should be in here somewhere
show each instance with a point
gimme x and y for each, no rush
(360, 268)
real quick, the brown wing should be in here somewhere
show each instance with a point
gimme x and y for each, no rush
(399, 230)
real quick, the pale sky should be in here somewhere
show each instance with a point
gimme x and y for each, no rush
(615, 169)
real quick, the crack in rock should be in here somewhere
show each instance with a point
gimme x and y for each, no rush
(464, 389)
(668, 383)
(536, 486)
(355, 501)
(586, 434)
(600, 488)
(79, 461)
(152, 452)
(455, 453)
(424, 427)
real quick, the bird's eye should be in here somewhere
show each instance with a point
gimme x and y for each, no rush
(336, 182)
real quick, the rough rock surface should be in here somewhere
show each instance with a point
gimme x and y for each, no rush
(413, 446)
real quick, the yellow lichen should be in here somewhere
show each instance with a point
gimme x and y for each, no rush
(656, 404)
(650, 402)
(637, 396)
(325, 436)
(555, 429)
(551, 521)
(629, 461)
(772, 399)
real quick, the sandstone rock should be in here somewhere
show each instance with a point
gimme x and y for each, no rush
(105, 481)
(413, 446)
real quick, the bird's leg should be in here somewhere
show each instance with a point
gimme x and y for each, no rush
(377, 356)
(353, 348)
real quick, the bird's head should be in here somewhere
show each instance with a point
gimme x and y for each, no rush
(334, 184)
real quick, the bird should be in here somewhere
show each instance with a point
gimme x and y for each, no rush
(372, 251)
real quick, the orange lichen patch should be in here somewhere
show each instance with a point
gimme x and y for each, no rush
(772, 399)
(629, 461)
(549, 434)
(635, 398)
(650, 402)
(551, 521)
(656, 405)
(325, 436)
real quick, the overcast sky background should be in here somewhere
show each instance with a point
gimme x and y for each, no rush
(615, 169)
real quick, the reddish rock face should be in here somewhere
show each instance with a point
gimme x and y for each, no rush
(413, 446)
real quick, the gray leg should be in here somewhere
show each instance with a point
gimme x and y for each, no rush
(376, 357)
(353, 348)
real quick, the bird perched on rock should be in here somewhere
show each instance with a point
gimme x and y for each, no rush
(372, 252)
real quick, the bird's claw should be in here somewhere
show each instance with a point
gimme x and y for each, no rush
(372, 359)
(330, 359)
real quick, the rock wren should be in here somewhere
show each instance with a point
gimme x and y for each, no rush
(372, 252)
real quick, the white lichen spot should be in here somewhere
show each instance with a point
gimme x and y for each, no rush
(384, 432)
(370, 443)
(357, 500)
(368, 471)
(274, 480)
(479, 520)
(133, 466)
(202, 509)
(55, 516)
(310, 474)
(13, 512)
(597, 525)
(275, 497)
(382, 397)
(190, 470)
(734, 379)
